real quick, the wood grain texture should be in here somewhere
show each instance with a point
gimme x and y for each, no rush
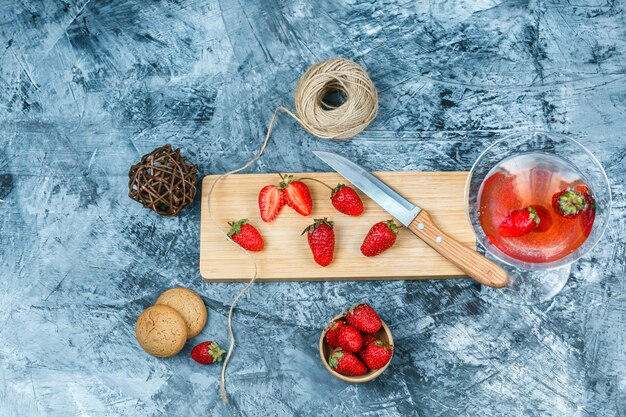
(472, 263)
(287, 257)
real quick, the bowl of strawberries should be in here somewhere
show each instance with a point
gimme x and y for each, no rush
(356, 346)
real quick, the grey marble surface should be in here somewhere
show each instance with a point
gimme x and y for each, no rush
(87, 87)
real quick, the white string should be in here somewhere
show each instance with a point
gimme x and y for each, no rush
(245, 289)
(319, 119)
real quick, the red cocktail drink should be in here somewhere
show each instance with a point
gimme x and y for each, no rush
(536, 207)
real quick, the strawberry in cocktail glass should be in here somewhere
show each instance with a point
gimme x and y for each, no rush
(537, 201)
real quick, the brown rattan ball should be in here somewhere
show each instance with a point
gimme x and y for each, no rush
(163, 181)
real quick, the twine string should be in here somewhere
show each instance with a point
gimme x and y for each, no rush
(245, 289)
(340, 122)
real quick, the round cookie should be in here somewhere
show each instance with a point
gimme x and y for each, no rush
(161, 331)
(189, 305)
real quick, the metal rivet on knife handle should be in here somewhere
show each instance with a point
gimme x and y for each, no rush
(472, 263)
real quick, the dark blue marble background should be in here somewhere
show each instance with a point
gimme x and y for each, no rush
(87, 87)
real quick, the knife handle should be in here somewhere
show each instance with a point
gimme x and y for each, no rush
(471, 262)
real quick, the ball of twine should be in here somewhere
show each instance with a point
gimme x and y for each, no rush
(335, 122)
(163, 181)
(321, 119)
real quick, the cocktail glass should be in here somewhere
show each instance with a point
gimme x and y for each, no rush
(533, 282)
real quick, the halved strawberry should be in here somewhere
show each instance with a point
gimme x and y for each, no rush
(297, 195)
(271, 201)
(519, 223)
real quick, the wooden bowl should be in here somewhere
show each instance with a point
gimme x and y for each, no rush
(384, 335)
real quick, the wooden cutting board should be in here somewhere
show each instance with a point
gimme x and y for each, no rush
(287, 257)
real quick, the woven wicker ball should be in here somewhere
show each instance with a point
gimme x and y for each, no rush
(163, 181)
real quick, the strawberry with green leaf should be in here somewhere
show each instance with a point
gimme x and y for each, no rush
(363, 317)
(246, 235)
(569, 203)
(381, 237)
(346, 200)
(377, 354)
(346, 363)
(519, 223)
(321, 237)
(207, 353)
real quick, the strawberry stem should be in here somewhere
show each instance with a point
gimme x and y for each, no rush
(216, 352)
(318, 223)
(571, 202)
(235, 227)
(393, 226)
(316, 180)
(285, 180)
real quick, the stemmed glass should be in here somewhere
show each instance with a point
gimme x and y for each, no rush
(536, 282)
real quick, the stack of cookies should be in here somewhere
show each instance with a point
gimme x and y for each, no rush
(177, 315)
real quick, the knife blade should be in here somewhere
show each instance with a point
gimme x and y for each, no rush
(418, 221)
(385, 196)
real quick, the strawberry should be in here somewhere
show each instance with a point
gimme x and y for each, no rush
(321, 240)
(590, 214)
(206, 353)
(245, 235)
(545, 218)
(586, 192)
(346, 200)
(569, 203)
(377, 354)
(346, 363)
(349, 338)
(381, 237)
(271, 201)
(297, 195)
(331, 333)
(368, 339)
(519, 223)
(364, 318)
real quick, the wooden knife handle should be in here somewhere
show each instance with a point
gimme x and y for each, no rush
(472, 263)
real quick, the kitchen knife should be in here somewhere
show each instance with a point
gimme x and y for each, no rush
(418, 221)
